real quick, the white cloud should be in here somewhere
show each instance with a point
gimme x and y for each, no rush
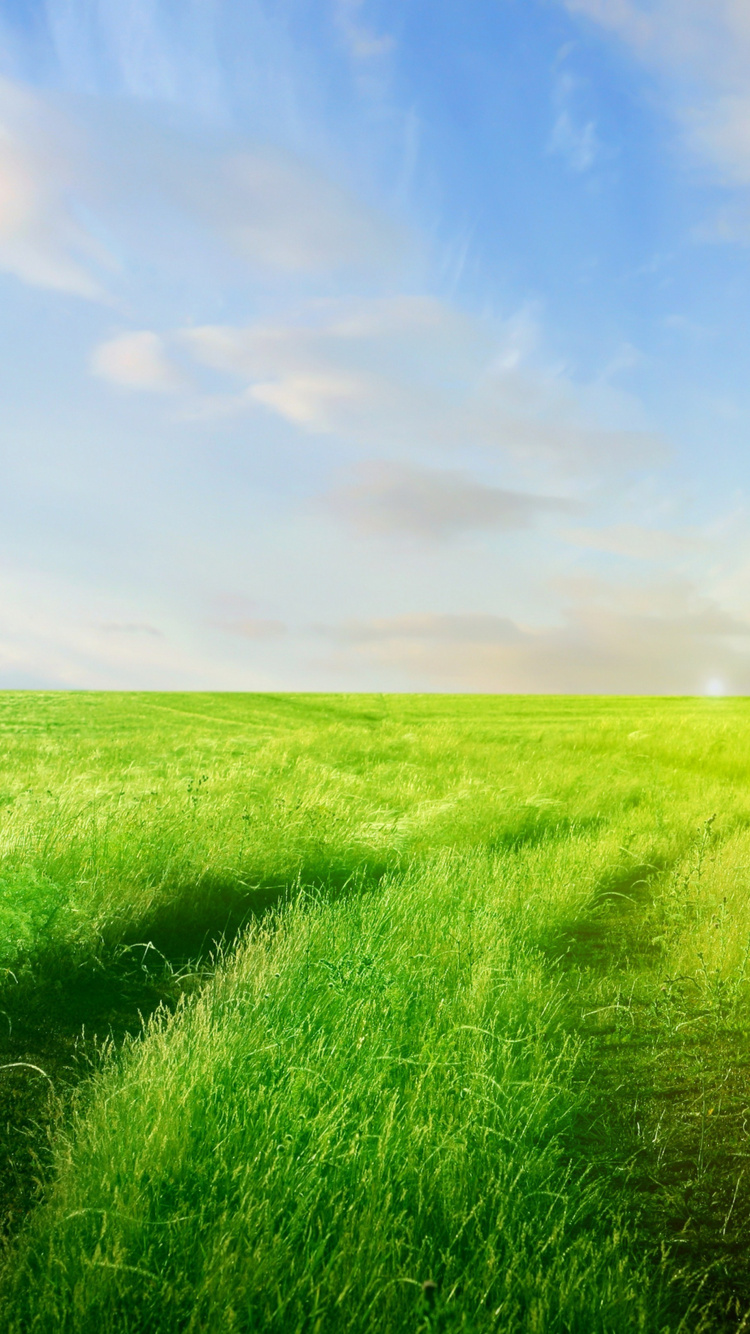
(41, 242)
(433, 503)
(137, 361)
(409, 374)
(659, 639)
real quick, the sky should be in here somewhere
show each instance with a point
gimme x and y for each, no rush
(375, 345)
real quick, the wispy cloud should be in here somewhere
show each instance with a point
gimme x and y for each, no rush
(636, 542)
(417, 374)
(41, 240)
(573, 137)
(362, 41)
(129, 628)
(576, 143)
(230, 208)
(434, 503)
(702, 50)
(161, 196)
(277, 211)
(143, 49)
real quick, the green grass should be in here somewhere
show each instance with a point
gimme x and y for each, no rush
(312, 1000)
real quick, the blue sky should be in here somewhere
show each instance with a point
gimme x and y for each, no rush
(368, 345)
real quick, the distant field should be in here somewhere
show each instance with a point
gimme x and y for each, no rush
(307, 1002)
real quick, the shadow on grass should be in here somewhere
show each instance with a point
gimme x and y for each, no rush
(61, 1006)
(539, 826)
(615, 928)
(191, 920)
(666, 1124)
(667, 1114)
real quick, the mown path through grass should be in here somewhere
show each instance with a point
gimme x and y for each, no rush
(497, 1038)
(668, 1068)
(53, 1034)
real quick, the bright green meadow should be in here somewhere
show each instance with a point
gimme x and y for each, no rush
(374, 1013)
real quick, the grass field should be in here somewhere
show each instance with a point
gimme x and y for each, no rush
(374, 1013)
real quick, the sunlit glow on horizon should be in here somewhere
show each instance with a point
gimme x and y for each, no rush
(715, 688)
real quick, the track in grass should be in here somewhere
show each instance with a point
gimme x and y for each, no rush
(493, 1035)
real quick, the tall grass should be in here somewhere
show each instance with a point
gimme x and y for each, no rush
(372, 1095)
(130, 815)
(490, 1037)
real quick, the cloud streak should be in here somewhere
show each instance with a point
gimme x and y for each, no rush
(436, 504)
(663, 639)
(250, 627)
(41, 241)
(362, 42)
(139, 48)
(636, 542)
(572, 139)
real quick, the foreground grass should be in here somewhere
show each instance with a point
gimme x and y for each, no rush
(493, 1036)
